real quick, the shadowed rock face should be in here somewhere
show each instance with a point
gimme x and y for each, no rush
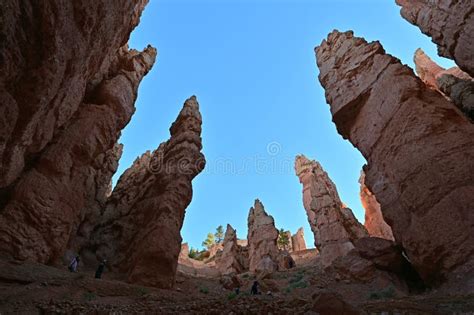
(334, 226)
(140, 228)
(374, 221)
(419, 148)
(68, 84)
(450, 24)
(453, 82)
(297, 241)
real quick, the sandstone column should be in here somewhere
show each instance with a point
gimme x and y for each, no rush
(298, 241)
(418, 145)
(140, 229)
(334, 226)
(374, 221)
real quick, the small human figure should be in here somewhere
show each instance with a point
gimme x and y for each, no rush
(100, 269)
(254, 290)
(74, 263)
(237, 290)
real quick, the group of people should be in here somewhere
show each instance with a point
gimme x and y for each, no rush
(75, 263)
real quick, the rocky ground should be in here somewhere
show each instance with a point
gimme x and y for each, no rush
(39, 289)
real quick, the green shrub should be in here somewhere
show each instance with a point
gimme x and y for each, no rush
(386, 293)
(89, 296)
(231, 296)
(204, 290)
(143, 291)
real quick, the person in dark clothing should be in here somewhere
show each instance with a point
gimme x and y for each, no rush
(254, 290)
(74, 263)
(100, 269)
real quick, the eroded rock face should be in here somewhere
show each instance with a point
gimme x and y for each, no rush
(262, 240)
(67, 90)
(374, 221)
(450, 24)
(453, 82)
(334, 226)
(140, 229)
(419, 148)
(297, 241)
(231, 259)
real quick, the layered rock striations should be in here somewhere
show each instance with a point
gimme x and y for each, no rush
(374, 221)
(334, 226)
(453, 82)
(419, 148)
(67, 90)
(450, 24)
(264, 255)
(140, 228)
(297, 241)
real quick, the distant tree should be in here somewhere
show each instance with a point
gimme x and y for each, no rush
(283, 240)
(219, 234)
(193, 253)
(209, 241)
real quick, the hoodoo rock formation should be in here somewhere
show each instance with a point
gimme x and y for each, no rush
(232, 260)
(449, 23)
(67, 90)
(297, 241)
(334, 226)
(374, 221)
(453, 82)
(140, 229)
(264, 255)
(418, 145)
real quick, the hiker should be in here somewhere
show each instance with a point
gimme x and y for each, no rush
(237, 290)
(254, 290)
(73, 265)
(100, 269)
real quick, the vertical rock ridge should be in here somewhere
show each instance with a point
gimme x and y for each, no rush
(419, 148)
(334, 226)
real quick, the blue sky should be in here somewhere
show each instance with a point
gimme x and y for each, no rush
(251, 65)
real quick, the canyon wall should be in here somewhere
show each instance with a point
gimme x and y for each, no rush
(140, 228)
(450, 24)
(334, 226)
(418, 145)
(68, 84)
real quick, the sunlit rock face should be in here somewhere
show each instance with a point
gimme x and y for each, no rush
(419, 148)
(140, 228)
(374, 221)
(68, 85)
(264, 255)
(449, 23)
(233, 259)
(453, 82)
(334, 226)
(297, 241)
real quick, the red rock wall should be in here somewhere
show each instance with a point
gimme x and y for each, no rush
(450, 24)
(68, 86)
(139, 231)
(374, 221)
(419, 148)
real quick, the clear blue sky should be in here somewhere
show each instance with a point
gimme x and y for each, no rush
(252, 66)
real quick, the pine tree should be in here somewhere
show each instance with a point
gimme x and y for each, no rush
(219, 234)
(283, 240)
(209, 241)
